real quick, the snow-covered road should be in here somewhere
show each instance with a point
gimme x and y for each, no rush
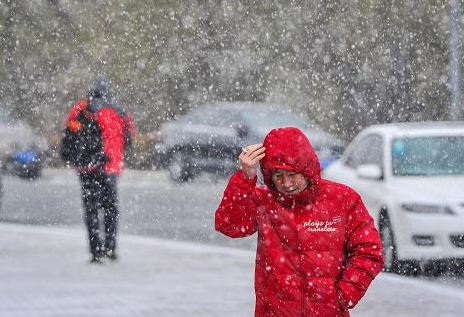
(151, 205)
(44, 273)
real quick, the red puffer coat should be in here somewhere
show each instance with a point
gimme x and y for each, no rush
(318, 251)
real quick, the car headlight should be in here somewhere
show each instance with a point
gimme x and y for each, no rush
(427, 209)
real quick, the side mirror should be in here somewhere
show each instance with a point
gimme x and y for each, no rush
(369, 171)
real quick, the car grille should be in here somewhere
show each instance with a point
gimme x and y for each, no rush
(457, 240)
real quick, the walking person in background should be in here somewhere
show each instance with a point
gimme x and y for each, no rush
(99, 133)
(318, 249)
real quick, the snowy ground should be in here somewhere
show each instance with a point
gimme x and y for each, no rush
(150, 204)
(44, 273)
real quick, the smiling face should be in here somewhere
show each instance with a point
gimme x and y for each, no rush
(288, 182)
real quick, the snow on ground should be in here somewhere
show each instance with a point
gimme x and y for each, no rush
(44, 273)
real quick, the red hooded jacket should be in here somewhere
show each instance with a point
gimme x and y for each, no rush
(113, 135)
(318, 250)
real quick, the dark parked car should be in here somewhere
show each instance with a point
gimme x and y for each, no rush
(210, 138)
(21, 150)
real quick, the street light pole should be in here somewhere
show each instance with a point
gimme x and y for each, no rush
(455, 62)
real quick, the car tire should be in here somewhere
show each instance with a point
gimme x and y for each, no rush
(178, 168)
(390, 251)
(31, 175)
(389, 245)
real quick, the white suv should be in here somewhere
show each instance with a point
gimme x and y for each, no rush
(411, 178)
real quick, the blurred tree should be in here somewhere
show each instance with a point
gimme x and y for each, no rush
(343, 64)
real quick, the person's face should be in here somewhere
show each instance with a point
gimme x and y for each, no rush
(288, 182)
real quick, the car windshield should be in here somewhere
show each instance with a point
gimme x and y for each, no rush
(428, 156)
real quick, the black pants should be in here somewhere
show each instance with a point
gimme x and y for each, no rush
(99, 198)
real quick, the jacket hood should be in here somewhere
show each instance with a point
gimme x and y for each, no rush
(100, 96)
(288, 148)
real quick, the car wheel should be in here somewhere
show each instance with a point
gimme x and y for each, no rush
(388, 243)
(30, 174)
(178, 168)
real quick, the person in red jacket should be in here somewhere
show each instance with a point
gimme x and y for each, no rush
(318, 249)
(98, 180)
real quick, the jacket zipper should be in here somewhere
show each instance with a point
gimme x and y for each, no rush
(299, 250)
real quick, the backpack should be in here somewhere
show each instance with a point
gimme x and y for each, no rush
(81, 145)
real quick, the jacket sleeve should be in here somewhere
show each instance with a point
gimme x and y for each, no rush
(112, 138)
(364, 253)
(76, 109)
(236, 214)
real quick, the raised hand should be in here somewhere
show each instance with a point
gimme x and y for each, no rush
(250, 157)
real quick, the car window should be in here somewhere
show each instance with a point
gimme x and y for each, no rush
(214, 117)
(196, 117)
(367, 151)
(428, 156)
(226, 118)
